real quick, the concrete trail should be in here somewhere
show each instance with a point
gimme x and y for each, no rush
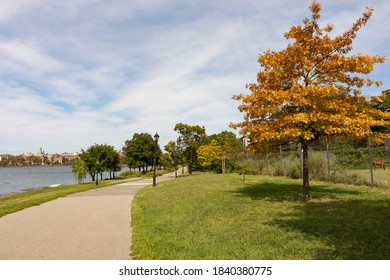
(92, 225)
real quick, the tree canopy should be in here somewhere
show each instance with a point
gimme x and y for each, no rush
(209, 153)
(99, 158)
(312, 90)
(139, 151)
(189, 140)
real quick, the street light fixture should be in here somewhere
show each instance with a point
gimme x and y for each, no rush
(97, 173)
(156, 137)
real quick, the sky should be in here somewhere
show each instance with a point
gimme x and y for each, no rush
(78, 72)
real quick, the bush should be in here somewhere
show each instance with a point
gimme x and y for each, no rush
(294, 171)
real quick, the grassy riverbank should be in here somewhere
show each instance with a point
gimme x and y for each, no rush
(20, 201)
(211, 216)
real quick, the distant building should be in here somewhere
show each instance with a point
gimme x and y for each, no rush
(387, 145)
(56, 158)
(61, 158)
(41, 158)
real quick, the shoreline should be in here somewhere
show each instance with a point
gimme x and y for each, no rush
(29, 189)
(19, 179)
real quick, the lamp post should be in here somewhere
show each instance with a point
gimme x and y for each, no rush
(156, 137)
(97, 173)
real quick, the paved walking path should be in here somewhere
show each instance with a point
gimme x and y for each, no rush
(92, 225)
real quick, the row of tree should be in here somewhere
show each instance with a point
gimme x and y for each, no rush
(20, 160)
(195, 149)
(192, 148)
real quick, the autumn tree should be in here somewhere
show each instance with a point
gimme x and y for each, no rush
(209, 153)
(312, 90)
(382, 102)
(230, 145)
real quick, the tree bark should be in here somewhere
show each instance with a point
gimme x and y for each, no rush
(306, 188)
(190, 163)
(223, 165)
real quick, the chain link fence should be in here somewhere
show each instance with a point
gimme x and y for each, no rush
(356, 163)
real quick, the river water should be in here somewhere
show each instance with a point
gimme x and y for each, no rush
(17, 179)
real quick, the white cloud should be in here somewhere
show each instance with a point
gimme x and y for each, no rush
(77, 72)
(22, 57)
(9, 9)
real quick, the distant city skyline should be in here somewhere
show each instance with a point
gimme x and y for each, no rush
(43, 151)
(75, 73)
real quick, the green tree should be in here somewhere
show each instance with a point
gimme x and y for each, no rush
(139, 151)
(190, 139)
(109, 160)
(231, 146)
(207, 154)
(99, 158)
(79, 170)
(173, 155)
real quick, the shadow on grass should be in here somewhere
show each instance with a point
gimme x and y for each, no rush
(354, 229)
(351, 226)
(290, 191)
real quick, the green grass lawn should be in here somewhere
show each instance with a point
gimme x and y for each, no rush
(209, 216)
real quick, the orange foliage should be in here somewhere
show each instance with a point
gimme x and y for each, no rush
(311, 88)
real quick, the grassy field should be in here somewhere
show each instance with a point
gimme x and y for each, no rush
(209, 216)
(381, 177)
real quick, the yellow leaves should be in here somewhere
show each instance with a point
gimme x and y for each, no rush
(311, 88)
(315, 8)
(207, 154)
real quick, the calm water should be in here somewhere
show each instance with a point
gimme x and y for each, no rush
(16, 179)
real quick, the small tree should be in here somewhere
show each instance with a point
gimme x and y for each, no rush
(207, 154)
(173, 155)
(230, 146)
(79, 170)
(308, 91)
(190, 139)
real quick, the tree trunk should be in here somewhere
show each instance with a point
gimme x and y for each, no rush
(190, 163)
(306, 189)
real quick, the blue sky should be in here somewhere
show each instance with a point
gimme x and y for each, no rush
(78, 72)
